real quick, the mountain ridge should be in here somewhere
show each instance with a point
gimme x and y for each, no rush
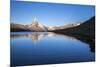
(37, 27)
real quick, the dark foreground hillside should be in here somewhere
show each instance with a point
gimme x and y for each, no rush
(85, 32)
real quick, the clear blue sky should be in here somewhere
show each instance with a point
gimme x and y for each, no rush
(49, 13)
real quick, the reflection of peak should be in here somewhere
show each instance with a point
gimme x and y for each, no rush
(36, 36)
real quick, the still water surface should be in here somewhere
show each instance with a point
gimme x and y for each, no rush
(32, 48)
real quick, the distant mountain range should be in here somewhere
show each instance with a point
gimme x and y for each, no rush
(37, 27)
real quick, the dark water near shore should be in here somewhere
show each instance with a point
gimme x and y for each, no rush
(33, 48)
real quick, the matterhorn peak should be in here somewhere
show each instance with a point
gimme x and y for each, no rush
(34, 22)
(35, 26)
(34, 19)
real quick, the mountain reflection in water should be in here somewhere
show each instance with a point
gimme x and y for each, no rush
(36, 36)
(35, 48)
